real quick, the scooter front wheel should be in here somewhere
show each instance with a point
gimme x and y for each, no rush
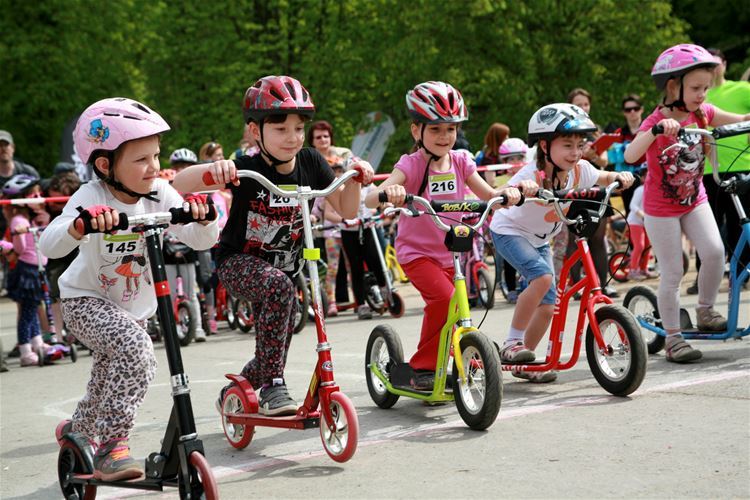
(396, 306)
(478, 399)
(341, 434)
(243, 311)
(235, 402)
(70, 461)
(621, 365)
(384, 350)
(618, 266)
(204, 477)
(641, 301)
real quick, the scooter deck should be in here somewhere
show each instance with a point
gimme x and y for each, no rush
(311, 421)
(140, 483)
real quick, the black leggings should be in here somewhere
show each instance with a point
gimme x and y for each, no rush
(357, 253)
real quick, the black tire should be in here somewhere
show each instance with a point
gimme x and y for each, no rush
(478, 402)
(185, 323)
(641, 301)
(69, 460)
(383, 348)
(372, 292)
(621, 368)
(303, 302)
(485, 289)
(243, 311)
(73, 353)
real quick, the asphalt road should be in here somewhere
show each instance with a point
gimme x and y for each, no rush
(684, 433)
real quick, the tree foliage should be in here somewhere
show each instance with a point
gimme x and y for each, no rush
(193, 60)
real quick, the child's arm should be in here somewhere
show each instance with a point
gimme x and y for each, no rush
(345, 200)
(722, 117)
(197, 235)
(645, 138)
(191, 179)
(393, 186)
(607, 178)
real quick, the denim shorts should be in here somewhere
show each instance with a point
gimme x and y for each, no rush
(529, 261)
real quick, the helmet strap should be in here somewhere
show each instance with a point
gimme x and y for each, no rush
(275, 162)
(679, 103)
(555, 167)
(433, 157)
(119, 186)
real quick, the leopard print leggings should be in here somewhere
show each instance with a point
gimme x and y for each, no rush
(124, 366)
(272, 294)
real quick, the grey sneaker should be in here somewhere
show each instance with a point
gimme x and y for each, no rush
(536, 377)
(516, 353)
(364, 312)
(113, 462)
(679, 351)
(275, 401)
(710, 320)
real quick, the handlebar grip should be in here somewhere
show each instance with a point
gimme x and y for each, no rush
(657, 129)
(592, 194)
(521, 201)
(208, 179)
(180, 216)
(732, 129)
(383, 197)
(83, 223)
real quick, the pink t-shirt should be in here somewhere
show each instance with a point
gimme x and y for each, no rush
(674, 185)
(23, 244)
(417, 236)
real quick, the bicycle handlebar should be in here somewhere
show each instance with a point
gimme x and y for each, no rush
(302, 192)
(595, 194)
(175, 215)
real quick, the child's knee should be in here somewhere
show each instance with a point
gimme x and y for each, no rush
(543, 282)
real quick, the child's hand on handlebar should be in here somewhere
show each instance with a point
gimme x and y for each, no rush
(528, 187)
(512, 193)
(396, 194)
(626, 179)
(101, 218)
(222, 173)
(670, 126)
(366, 172)
(198, 205)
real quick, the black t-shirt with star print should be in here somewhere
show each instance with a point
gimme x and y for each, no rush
(265, 225)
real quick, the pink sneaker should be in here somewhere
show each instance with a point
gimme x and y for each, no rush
(213, 327)
(29, 359)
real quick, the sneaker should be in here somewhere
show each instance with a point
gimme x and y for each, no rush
(333, 311)
(516, 353)
(424, 380)
(213, 327)
(220, 401)
(710, 320)
(200, 335)
(512, 297)
(30, 359)
(364, 312)
(636, 275)
(536, 377)
(275, 401)
(611, 292)
(14, 353)
(679, 351)
(113, 462)
(693, 289)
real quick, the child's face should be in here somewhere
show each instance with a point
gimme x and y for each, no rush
(694, 87)
(567, 151)
(283, 140)
(518, 161)
(138, 164)
(439, 138)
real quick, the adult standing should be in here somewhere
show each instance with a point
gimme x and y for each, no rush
(733, 97)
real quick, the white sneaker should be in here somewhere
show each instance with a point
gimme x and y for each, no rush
(516, 353)
(536, 377)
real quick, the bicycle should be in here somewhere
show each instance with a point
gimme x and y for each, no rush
(181, 462)
(325, 406)
(615, 351)
(476, 376)
(641, 300)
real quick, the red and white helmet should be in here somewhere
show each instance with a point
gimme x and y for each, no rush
(512, 147)
(436, 102)
(109, 123)
(276, 95)
(678, 60)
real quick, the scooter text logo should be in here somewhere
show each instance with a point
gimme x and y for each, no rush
(463, 206)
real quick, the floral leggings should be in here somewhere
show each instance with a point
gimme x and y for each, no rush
(273, 297)
(124, 366)
(333, 254)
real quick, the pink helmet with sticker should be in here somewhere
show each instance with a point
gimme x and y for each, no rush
(109, 123)
(512, 147)
(679, 60)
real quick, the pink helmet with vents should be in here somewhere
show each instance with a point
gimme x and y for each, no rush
(512, 147)
(436, 102)
(109, 123)
(679, 60)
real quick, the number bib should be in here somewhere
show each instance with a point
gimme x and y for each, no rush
(279, 201)
(442, 184)
(119, 245)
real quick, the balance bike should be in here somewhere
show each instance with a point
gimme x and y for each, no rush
(641, 300)
(615, 350)
(476, 378)
(325, 406)
(181, 462)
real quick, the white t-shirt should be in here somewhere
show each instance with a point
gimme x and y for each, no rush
(115, 267)
(535, 221)
(636, 204)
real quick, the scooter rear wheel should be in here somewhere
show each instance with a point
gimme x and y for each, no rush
(204, 476)
(641, 301)
(621, 366)
(396, 306)
(340, 441)
(69, 461)
(186, 324)
(618, 266)
(485, 289)
(243, 311)
(235, 402)
(478, 400)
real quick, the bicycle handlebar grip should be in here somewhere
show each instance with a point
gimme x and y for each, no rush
(360, 176)
(83, 223)
(180, 216)
(383, 197)
(592, 194)
(657, 129)
(208, 179)
(520, 202)
(732, 129)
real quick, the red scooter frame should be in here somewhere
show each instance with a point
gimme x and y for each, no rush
(325, 406)
(617, 359)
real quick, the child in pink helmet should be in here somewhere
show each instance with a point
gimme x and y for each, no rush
(260, 247)
(674, 199)
(107, 292)
(437, 110)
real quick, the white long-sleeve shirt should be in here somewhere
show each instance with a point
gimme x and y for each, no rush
(115, 267)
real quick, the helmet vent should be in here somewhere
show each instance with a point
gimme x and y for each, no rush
(131, 117)
(141, 107)
(290, 88)
(110, 114)
(276, 94)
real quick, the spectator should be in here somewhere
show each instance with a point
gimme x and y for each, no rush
(211, 151)
(320, 136)
(495, 136)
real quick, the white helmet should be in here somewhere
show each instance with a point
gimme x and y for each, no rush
(183, 155)
(558, 119)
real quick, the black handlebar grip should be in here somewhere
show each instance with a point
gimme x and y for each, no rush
(180, 216)
(657, 129)
(85, 227)
(520, 202)
(383, 197)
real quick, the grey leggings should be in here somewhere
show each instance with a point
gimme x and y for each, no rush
(666, 239)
